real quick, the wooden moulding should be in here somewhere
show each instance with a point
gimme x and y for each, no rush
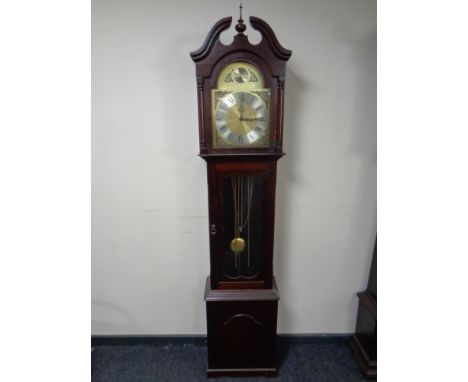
(240, 294)
(268, 55)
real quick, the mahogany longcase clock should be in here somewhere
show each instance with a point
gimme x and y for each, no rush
(240, 105)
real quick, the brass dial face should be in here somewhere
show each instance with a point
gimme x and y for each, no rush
(241, 118)
(240, 107)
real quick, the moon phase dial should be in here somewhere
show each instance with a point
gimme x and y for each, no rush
(240, 75)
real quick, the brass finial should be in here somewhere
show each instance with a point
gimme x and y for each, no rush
(240, 27)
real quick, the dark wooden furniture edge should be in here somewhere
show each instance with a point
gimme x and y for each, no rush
(223, 24)
(369, 367)
(257, 156)
(364, 342)
(369, 302)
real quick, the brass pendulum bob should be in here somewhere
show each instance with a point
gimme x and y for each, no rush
(237, 245)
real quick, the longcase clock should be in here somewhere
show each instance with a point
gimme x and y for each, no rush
(240, 106)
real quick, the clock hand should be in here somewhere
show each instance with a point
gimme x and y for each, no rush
(253, 119)
(241, 109)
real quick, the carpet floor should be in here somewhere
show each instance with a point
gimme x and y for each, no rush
(317, 362)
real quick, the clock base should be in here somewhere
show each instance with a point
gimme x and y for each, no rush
(241, 331)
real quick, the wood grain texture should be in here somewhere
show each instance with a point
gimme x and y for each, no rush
(241, 331)
(241, 314)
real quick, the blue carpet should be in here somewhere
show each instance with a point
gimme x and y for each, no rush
(317, 362)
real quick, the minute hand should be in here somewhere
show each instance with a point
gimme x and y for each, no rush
(251, 119)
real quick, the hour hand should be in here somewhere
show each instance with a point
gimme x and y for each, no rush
(241, 110)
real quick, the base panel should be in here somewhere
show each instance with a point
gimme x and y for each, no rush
(241, 332)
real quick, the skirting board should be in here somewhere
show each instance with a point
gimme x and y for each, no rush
(162, 340)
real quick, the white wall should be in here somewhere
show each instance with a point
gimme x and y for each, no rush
(149, 191)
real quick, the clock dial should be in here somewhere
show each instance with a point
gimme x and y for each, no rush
(241, 118)
(240, 107)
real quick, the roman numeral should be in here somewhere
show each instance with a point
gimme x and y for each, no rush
(222, 108)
